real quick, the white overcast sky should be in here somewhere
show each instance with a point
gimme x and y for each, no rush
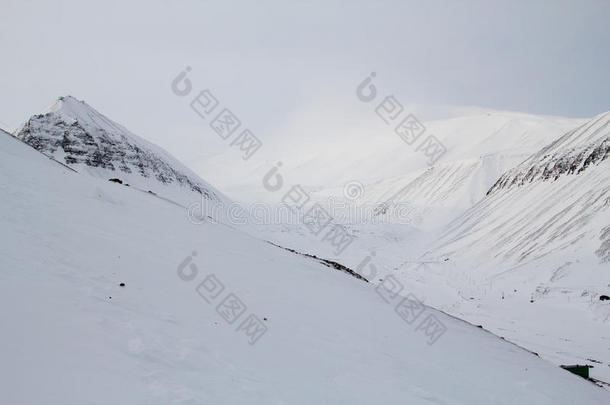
(268, 60)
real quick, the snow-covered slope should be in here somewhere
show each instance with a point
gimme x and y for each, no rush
(541, 234)
(74, 133)
(325, 158)
(402, 203)
(586, 145)
(556, 201)
(390, 177)
(72, 335)
(531, 260)
(480, 148)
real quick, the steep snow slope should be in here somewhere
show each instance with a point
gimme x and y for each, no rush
(397, 186)
(74, 336)
(586, 145)
(401, 201)
(74, 133)
(530, 261)
(556, 201)
(397, 216)
(479, 149)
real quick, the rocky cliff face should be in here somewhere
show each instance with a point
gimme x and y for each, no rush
(74, 133)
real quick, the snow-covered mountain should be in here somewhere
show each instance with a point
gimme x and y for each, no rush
(530, 260)
(480, 147)
(398, 190)
(525, 252)
(410, 201)
(557, 200)
(107, 296)
(77, 135)
(586, 145)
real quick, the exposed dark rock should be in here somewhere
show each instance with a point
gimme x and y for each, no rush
(50, 134)
(326, 262)
(552, 167)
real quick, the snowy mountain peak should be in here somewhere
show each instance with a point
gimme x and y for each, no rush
(73, 110)
(74, 133)
(68, 103)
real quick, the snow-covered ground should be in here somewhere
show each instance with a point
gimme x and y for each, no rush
(546, 241)
(73, 335)
(541, 235)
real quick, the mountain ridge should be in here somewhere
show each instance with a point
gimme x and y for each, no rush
(567, 155)
(73, 132)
